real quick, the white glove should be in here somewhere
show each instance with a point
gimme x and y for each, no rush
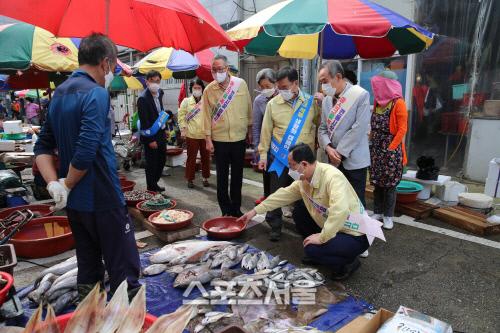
(59, 192)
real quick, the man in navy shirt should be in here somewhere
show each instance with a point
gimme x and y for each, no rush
(87, 183)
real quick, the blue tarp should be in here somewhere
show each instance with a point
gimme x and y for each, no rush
(162, 297)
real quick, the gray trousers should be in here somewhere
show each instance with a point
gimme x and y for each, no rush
(384, 200)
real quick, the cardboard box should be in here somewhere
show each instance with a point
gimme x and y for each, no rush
(364, 325)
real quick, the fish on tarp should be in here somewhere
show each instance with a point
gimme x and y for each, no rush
(58, 293)
(44, 285)
(65, 300)
(67, 283)
(61, 268)
(190, 251)
(201, 273)
(154, 269)
(231, 263)
(263, 262)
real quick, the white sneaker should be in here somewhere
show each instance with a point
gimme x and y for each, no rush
(388, 224)
(377, 217)
(364, 254)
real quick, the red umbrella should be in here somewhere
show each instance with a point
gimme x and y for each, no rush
(204, 72)
(139, 24)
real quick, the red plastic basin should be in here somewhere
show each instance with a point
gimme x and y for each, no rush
(5, 290)
(127, 185)
(148, 213)
(44, 237)
(223, 222)
(407, 197)
(38, 210)
(171, 226)
(133, 203)
(63, 320)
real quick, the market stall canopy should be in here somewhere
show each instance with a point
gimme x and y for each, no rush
(139, 24)
(177, 63)
(334, 29)
(121, 83)
(23, 46)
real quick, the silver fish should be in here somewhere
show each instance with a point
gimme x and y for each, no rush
(200, 273)
(213, 317)
(218, 260)
(263, 262)
(70, 282)
(55, 295)
(66, 275)
(246, 261)
(154, 269)
(65, 300)
(274, 262)
(44, 285)
(231, 252)
(231, 263)
(60, 268)
(189, 251)
(242, 249)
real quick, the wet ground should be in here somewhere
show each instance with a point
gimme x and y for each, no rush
(452, 277)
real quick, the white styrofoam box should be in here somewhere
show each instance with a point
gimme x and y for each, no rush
(492, 185)
(12, 126)
(7, 145)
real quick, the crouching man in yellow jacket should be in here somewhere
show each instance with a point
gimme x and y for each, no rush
(330, 216)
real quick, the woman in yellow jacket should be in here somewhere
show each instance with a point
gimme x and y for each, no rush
(190, 120)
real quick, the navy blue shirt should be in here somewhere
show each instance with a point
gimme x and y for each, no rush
(78, 127)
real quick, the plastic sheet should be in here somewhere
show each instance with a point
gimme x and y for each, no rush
(162, 298)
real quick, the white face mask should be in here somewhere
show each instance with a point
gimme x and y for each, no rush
(154, 87)
(108, 78)
(220, 77)
(197, 93)
(268, 92)
(286, 94)
(328, 89)
(294, 174)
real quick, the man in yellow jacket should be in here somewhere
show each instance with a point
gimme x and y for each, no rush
(324, 217)
(291, 116)
(227, 112)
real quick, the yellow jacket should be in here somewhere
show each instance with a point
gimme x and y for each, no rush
(328, 188)
(233, 125)
(194, 128)
(276, 119)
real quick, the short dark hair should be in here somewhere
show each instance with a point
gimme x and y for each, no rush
(29, 99)
(94, 48)
(334, 67)
(302, 152)
(152, 73)
(287, 72)
(220, 57)
(198, 82)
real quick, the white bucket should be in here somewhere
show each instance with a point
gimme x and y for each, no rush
(450, 191)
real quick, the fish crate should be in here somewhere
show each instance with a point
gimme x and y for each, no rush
(165, 236)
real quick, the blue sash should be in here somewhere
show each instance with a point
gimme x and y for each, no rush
(158, 124)
(280, 150)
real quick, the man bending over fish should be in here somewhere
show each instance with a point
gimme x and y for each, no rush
(329, 216)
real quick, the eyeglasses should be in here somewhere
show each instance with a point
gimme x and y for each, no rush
(219, 70)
